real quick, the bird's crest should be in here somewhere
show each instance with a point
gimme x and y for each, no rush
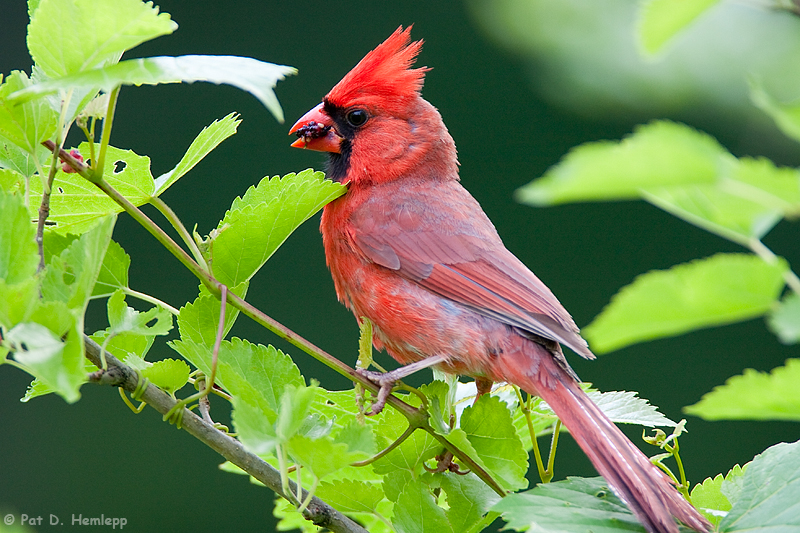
(384, 78)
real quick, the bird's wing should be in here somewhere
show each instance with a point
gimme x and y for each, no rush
(476, 271)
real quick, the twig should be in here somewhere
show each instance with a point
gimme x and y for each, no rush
(119, 374)
(416, 418)
(173, 219)
(44, 209)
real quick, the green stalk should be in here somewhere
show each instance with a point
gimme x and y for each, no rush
(108, 122)
(526, 412)
(173, 219)
(761, 250)
(553, 445)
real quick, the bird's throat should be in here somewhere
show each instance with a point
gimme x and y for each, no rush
(338, 165)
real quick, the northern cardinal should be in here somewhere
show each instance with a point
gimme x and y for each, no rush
(410, 249)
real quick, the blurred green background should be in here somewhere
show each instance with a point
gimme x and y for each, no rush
(518, 83)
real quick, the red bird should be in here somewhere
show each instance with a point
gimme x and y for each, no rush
(409, 248)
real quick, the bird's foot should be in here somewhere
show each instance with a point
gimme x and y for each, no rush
(444, 463)
(385, 382)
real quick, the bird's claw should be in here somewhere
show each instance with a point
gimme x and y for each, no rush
(444, 463)
(385, 382)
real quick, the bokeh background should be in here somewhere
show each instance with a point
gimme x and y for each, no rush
(518, 83)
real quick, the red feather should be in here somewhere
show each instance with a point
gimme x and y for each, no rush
(384, 77)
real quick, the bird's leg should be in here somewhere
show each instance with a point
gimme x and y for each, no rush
(484, 386)
(387, 380)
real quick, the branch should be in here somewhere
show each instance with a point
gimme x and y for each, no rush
(120, 375)
(417, 418)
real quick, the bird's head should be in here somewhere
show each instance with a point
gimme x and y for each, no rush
(375, 124)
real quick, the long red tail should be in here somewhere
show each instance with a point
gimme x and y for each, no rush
(648, 492)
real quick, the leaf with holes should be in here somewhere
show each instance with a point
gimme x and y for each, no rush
(76, 204)
(70, 276)
(57, 363)
(124, 319)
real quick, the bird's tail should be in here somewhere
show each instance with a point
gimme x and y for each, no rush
(647, 490)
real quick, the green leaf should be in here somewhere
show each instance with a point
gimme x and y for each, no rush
(259, 222)
(258, 377)
(69, 36)
(208, 139)
(40, 388)
(70, 276)
(293, 410)
(198, 321)
(15, 158)
(439, 397)
(27, 124)
(257, 373)
(770, 496)
(17, 301)
(710, 499)
(125, 345)
(124, 319)
(411, 454)
(734, 482)
(58, 364)
(575, 505)
(113, 272)
(661, 20)
(18, 252)
(255, 427)
(357, 437)
(490, 430)
(784, 320)
(623, 407)
(744, 205)
(786, 116)
(321, 457)
(245, 73)
(721, 289)
(11, 181)
(76, 204)
(349, 496)
(416, 511)
(658, 154)
(168, 374)
(55, 316)
(468, 499)
(754, 396)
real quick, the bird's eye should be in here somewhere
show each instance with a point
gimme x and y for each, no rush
(357, 117)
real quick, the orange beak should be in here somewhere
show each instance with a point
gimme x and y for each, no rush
(315, 131)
